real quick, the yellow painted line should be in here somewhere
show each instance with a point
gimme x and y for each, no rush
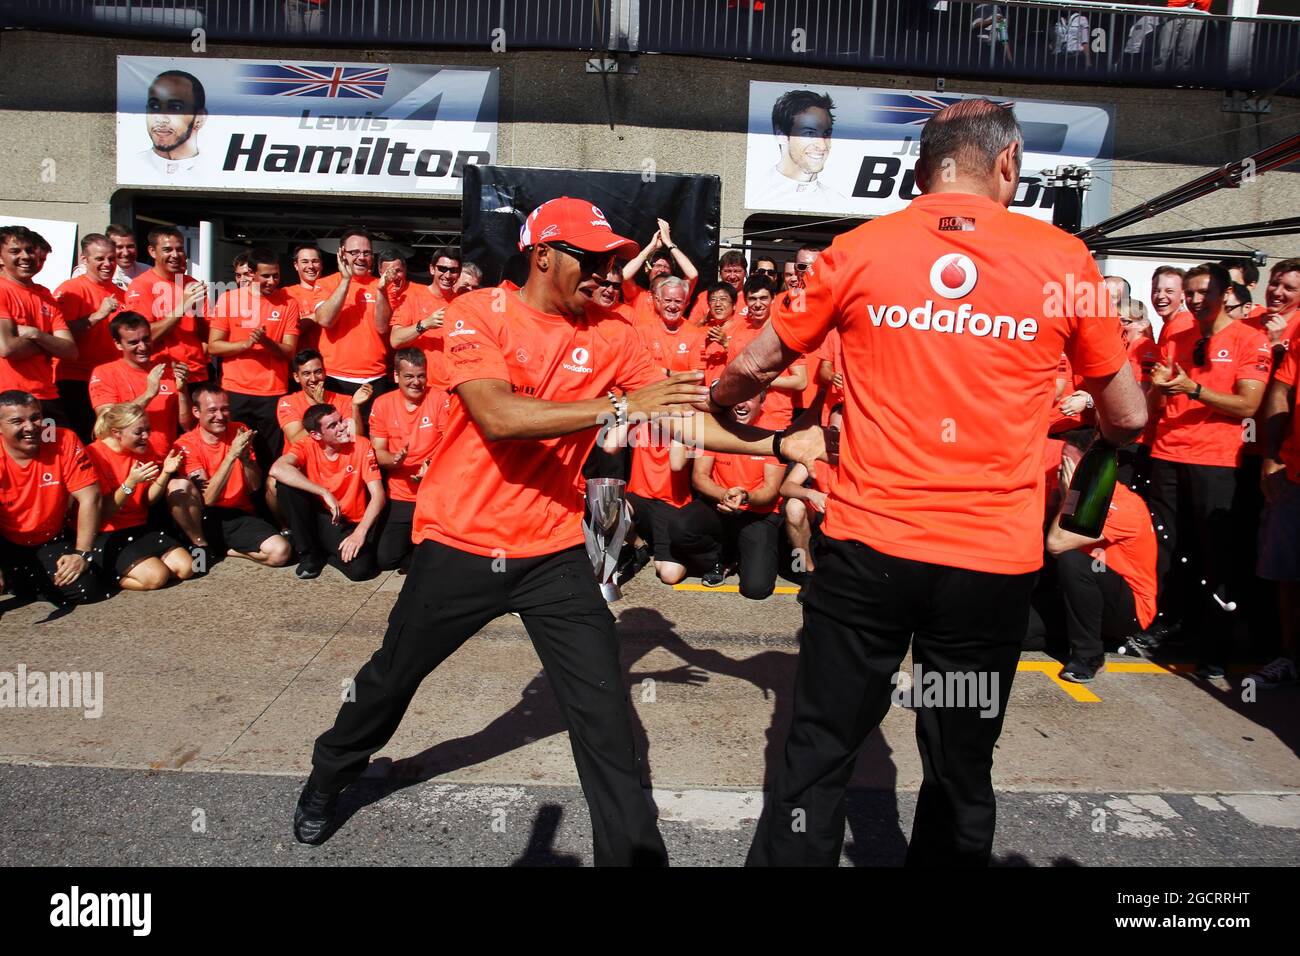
(728, 588)
(1053, 669)
(1146, 667)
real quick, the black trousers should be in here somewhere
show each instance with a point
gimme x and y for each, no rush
(395, 537)
(1192, 509)
(314, 534)
(448, 597)
(258, 413)
(1135, 468)
(706, 536)
(1098, 603)
(30, 570)
(380, 385)
(861, 610)
(75, 398)
(1257, 597)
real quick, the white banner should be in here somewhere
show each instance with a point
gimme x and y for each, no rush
(302, 125)
(850, 150)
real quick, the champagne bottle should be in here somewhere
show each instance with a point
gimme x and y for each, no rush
(1088, 501)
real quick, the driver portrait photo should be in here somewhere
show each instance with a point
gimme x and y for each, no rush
(801, 123)
(174, 113)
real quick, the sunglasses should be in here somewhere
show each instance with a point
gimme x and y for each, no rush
(1234, 308)
(606, 284)
(591, 263)
(1198, 353)
(448, 269)
(802, 266)
(765, 272)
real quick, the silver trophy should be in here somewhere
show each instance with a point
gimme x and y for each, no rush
(606, 524)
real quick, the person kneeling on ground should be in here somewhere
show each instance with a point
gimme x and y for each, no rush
(131, 547)
(734, 514)
(339, 470)
(1107, 583)
(39, 478)
(657, 491)
(223, 476)
(804, 505)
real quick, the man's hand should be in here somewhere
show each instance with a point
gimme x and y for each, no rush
(173, 462)
(181, 372)
(673, 396)
(350, 546)
(816, 500)
(733, 500)
(1272, 479)
(1172, 381)
(141, 471)
(154, 382)
(193, 294)
(332, 506)
(665, 231)
(345, 265)
(1065, 475)
(807, 442)
(717, 334)
(68, 568)
(434, 321)
(316, 393)
(257, 335)
(239, 447)
(106, 308)
(1075, 403)
(28, 331)
(388, 276)
(400, 457)
(1275, 326)
(362, 395)
(424, 470)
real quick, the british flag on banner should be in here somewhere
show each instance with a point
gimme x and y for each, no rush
(910, 109)
(319, 80)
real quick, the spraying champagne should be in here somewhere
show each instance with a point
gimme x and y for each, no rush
(1088, 501)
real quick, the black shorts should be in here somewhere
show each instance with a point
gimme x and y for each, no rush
(652, 518)
(230, 528)
(118, 551)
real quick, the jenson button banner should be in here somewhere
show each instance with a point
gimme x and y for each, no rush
(302, 124)
(851, 150)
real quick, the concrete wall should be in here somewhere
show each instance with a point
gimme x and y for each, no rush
(688, 115)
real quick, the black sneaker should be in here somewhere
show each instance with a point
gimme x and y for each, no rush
(715, 577)
(1080, 670)
(1210, 671)
(634, 559)
(313, 818)
(309, 567)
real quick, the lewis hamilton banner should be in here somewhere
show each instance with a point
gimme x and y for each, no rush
(302, 124)
(851, 150)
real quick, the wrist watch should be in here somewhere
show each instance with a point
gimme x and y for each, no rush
(87, 556)
(419, 327)
(1196, 395)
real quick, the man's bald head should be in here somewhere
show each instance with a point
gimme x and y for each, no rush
(973, 142)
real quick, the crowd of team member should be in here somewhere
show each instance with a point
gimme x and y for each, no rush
(151, 427)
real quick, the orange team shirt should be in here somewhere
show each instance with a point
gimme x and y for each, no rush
(261, 370)
(415, 304)
(652, 475)
(1256, 321)
(1288, 373)
(677, 350)
(30, 305)
(418, 430)
(121, 381)
(80, 298)
(1190, 432)
(642, 304)
(523, 498)
(153, 296)
(744, 471)
(35, 496)
(293, 407)
(111, 469)
(1182, 319)
(350, 346)
(345, 477)
(953, 361)
(1129, 549)
(205, 457)
(308, 300)
(778, 406)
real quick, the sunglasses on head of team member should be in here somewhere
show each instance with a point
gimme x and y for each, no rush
(1234, 307)
(1198, 351)
(591, 263)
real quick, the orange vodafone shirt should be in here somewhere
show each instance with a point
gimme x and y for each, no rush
(34, 497)
(80, 298)
(677, 350)
(1189, 431)
(207, 458)
(1256, 321)
(293, 407)
(261, 370)
(30, 305)
(153, 296)
(1143, 355)
(1182, 319)
(345, 477)
(950, 349)
(1129, 549)
(415, 304)
(1289, 374)
(744, 471)
(351, 347)
(778, 406)
(418, 430)
(121, 381)
(308, 300)
(521, 498)
(652, 475)
(111, 469)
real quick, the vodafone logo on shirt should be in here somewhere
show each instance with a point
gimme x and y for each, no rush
(47, 479)
(580, 357)
(953, 276)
